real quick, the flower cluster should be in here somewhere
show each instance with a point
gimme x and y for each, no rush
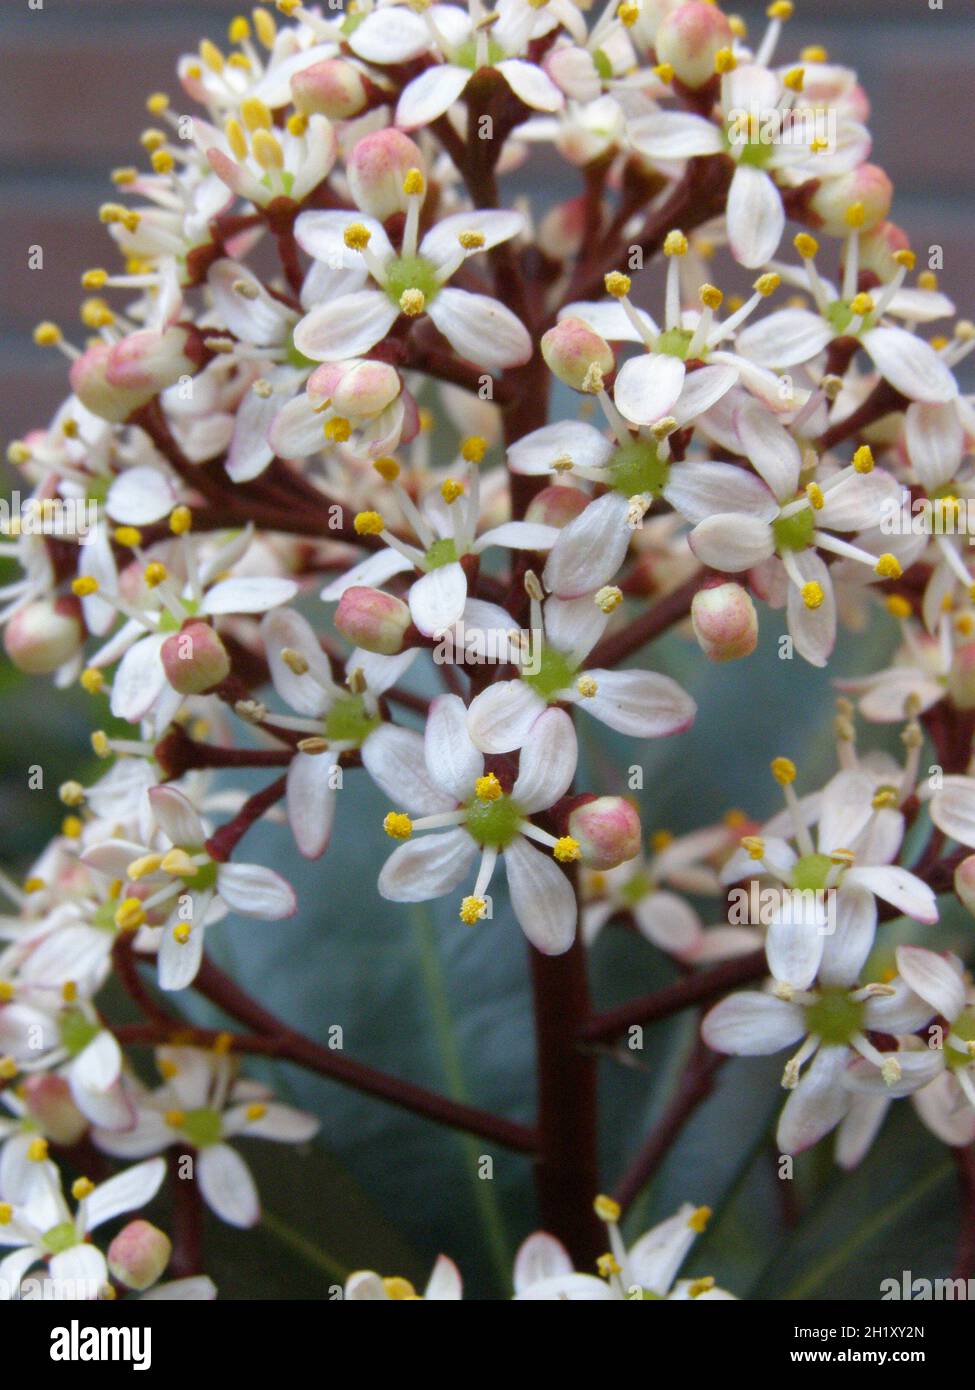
(306, 473)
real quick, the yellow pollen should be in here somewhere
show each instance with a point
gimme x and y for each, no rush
(806, 245)
(182, 932)
(71, 827)
(6, 1213)
(155, 573)
(488, 788)
(141, 867)
(660, 839)
(587, 687)
(180, 520)
(617, 284)
(607, 1209)
(357, 236)
(567, 850)
(398, 825)
(675, 244)
(413, 184)
(94, 279)
(69, 991)
(178, 863)
(472, 910)
(754, 846)
(767, 284)
(855, 215)
(157, 103)
(368, 524)
(711, 297)
(82, 1188)
(607, 1265)
(883, 798)
(783, 770)
(665, 71)
(255, 114)
(812, 594)
(37, 1150)
(628, 14)
(236, 138)
(698, 1220)
(781, 10)
(8, 1068)
(297, 123)
(725, 61)
(211, 55)
(34, 885)
(898, 606)
(450, 490)
(927, 280)
(338, 430)
(238, 30)
(130, 914)
(6, 991)
(175, 1118)
(264, 27)
(162, 162)
(47, 334)
(888, 567)
(400, 1290)
(905, 258)
(473, 448)
(167, 1068)
(84, 585)
(815, 53)
(267, 150)
(412, 302)
(256, 1111)
(608, 598)
(861, 304)
(863, 459)
(387, 468)
(815, 494)
(472, 241)
(698, 1286)
(129, 536)
(71, 793)
(100, 744)
(295, 662)
(794, 79)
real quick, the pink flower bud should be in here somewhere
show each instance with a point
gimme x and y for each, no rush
(608, 831)
(571, 350)
(360, 390)
(376, 169)
(372, 619)
(725, 622)
(961, 681)
(965, 883)
(867, 185)
(332, 88)
(195, 659)
(561, 230)
(48, 1099)
(89, 381)
(44, 635)
(878, 248)
(690, 37)
(139, 1254)
(150, 361)
(556, 506)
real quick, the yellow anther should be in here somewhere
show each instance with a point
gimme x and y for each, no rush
(400, 1290)
(157, 103)
(412, 302)
(608, 598)
(414, 184)
(175, 1118)
(472, 910)
(698, 1286)
(48, 334)
(338, 430)
(236, 138)
(264, 27)
(182, 933)
(927, 280)
(398, 825)
(368, 524)
(783, 770)
(675, 244)
(37, 1150)
(939, 342)
(753, 845)
(794, 79)
(84, 586)
(473, 448)
(767, 284)
(725, 61)
(884, 798)
(8, 1068)
(130, 914)
(812, 594)
(488, 788)
(617, 284)
(18, 453)
(6, 1213)
(82, 1188)
(815, 53)
(94, 279)
(806, 245)
(665, 71)
(863, 459)
(180, 520)
(71, 793)
(155, 573)
(288, 7)
(711, 296)
(357, 236)
(6, 991)
(781, 9)
(888, 566)
(905, 258)
(71, 827)
(898, 606)
(628, 13)
(129, 536)
(587, 687)
(162, 162)
(567, 850)
(815, 494)
(297, 123)
(698, 1220)
(450, 490)
(472, 241)
(267, 150)
(92, 680)
(608, 1264)
(167, 1068)
(862, 304)
(855, 215)
(607, 1209)
(256, 1111)
(238, 30)
(295, 662)
(211, 55)
(737, 26)
(100, 744)
(255, 114)
(178, 863)
(387, 468)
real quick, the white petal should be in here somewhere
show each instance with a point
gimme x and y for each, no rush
(751, 1024)
(542, 897)
(769, 448)
(139, 680)
(127, 1191)
(501, 717)
(179, 961)
(657, 1256)
(99, 1064)
(531, 85)
(935, 442)
(794, 945)
(255, 891)
(702, 389)
(756, 219)
(254, 317)
(310, 800)
(860, 1127)
(813, 629)
(675, 135)
(394, 759)
(817, 1104)
(346, 327)
(480, 329)
(953, 809)
(247, 594)
(227, 1187)
(427, 867)
(590, 549)
(899, 888)
(669, 922)
(286, 629)
(785, 338)
(535, 453)
(175, 816)
(547, 764)
(519, 535)
(647, 387)
(933, 978)
(322, 235)
(437, 599)
(149, 1135)
(81, 1268)
(373, 572)
(540, 1257)
(610, 320)
(140, 496)
(939, 1106)
(430, 95)
(445, 1284)
(732, 542)
(846, 950)
(573, 624)
(643, 704)
(910, 365)
(699, 490)
(281, 1123)
(440, 243)
(452, 759)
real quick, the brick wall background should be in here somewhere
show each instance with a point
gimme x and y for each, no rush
(76, 74)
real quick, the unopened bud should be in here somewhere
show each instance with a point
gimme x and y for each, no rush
(865, 189)
(139, 1254)
(332, 88)
(149, 361)
(377, 168)
(373, 619)
(50, 1103)
(690, 38)
(571, 349)
(89, 381)
(43, 635)
(725, 622)
(195, 659)
(607, 830)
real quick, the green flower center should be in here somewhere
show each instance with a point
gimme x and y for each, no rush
(794, 532)
(602, 64)
(494, 823)
(442, 552)
(810, 872)
(77, 1031)
(674, 342)
(411, 273)
(635, 468)
(202, 1127)
(555, 673)
(964, 1028)
(834, 1017)
(60, 1238)
(168, 622)
(349, 721)
(635, 889)
(205, 877)
(839, 315)
(466, 55)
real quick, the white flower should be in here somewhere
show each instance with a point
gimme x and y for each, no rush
(444, 1285)
(202, 1104)
(486, 819)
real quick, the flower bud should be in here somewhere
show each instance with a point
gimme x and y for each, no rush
(139, 1254)
(867, 186)
(961, 680)
(332, 88)
(878, 248)
(689, 39)
(725, 622)
(571, 350)
(360, 390)
(150, 361)
(89, 381)
(49, 1101)
(561, 230)
(608, 831)
(965, 883)
(44, 635)
(556, 506)
(195, 659)
(376, 169)
(373, 619)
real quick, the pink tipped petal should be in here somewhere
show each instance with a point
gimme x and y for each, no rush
(311, 802)
(756, 219)
(542, 897)
(427, 867)
(910, 365)
(590, 549)
(540, 1257)
(648, 387)
(127, 1191)
(750, 1024)
(346, 327)
(176, 817)
(643, 704)
(394, 759)
(227, 1187)
(547, 764)
(452, 759)
(933, 978)
(437, 599)
(785, 338)
(732, 542)
(500, 718)
(430, 95)
(481, 329)
(254, 891)
(699, 490)
(899, 888)
(817, 1104)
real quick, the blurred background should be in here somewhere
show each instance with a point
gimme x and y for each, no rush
(450, 1009)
